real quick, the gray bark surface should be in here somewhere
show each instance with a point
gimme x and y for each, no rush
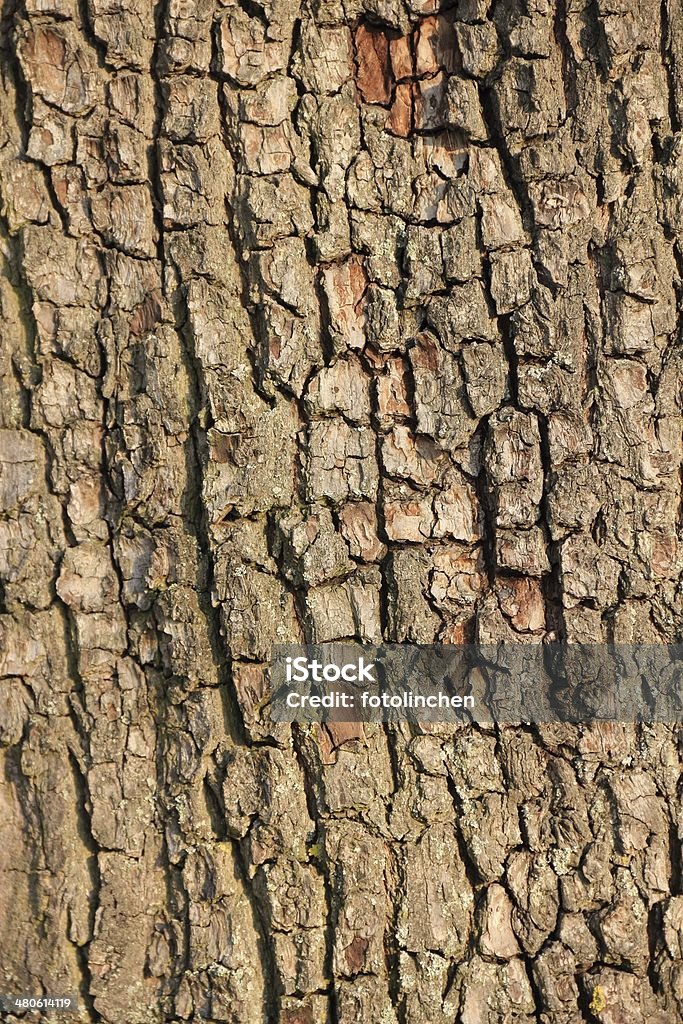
(350, 319)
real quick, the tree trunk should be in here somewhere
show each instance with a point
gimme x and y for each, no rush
(355, 319)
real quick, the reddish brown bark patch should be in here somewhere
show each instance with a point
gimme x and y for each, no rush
(374, 67)
(425, 353)
(521, 600)
(401, 57)
(331, 736)
(436, 47)
(401, 117)
(355, 953)
(45, 49)
(146, 315)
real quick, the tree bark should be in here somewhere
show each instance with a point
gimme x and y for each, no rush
(349, 319)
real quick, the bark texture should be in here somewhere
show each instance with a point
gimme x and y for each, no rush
(349, 319)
